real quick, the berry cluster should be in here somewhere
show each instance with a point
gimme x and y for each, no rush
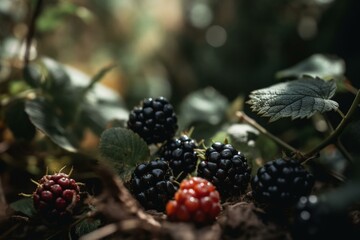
(197, 201)
(281, 182)
(181, 155)
(155, 120)
(56, 196)
(151, 184)
(226, 168)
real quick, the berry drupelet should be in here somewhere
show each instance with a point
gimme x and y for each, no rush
(151, 184)
(196, 201)
(181, 156)
(154, 120)
(56, 196)
(226, 168)
(281, 182)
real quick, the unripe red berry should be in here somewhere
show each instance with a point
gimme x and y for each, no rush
(56, 196)
(197, 201)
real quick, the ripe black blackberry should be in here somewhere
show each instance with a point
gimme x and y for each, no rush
(155, 120)
(316, 219)
(181, 156)
(226, 168)
(151, 184)
(281, 182)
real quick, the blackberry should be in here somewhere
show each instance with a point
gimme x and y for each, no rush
(315, 219)
(151, 185)
(196, 201)
(155, 120)
(181, 156)
(226, 168)
(281, 182)
(56, 196)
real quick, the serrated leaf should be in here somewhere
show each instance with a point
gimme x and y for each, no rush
(87, 226)
(296, 99)
(317, 65)
(42, 115)
(25, 206)
(123, 148)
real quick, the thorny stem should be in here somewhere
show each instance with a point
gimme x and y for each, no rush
(31, 31)
(242, 116)
(332, 137)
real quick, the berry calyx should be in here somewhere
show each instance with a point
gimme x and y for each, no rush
(154, 120)
(226, 168)
(56, 196)
(281, 182)
(196, 201)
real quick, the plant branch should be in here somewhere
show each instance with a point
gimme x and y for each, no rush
(335, 134)
(31, 31)
(243, 117)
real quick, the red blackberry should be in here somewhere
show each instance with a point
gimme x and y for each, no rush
(281, 182)
(56, 196)
(226, 168)
(181, 156)
(151, 185)
(316, 219)
(155, 120)
(196, 201)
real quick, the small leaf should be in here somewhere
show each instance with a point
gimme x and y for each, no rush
(87, 226)
(124, 148)
(296, 99)
(42, 115)
(317, 65)
(25, 206)
(206, 105)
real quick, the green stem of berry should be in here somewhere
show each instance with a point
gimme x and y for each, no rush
(245, 118)
(335, 134)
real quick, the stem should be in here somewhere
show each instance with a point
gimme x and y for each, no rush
(31, 32)
(337, 131)
(242, 116)
(340, 113)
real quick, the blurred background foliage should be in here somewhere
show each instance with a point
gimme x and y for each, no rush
(206, 56)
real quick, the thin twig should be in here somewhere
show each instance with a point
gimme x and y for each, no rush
(2, 194)
(333, 137)
(243, 117)
(31, 31)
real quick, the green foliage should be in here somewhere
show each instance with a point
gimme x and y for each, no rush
(42, 115)
(124, 149)
(296, 99)
(25, 206)
(317, 65)
(205, 105)
(87, 226)
(18, 121)
(68, 101)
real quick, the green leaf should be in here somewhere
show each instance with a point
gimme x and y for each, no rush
(124, 149)
(25, 206)
(317, 65)
(296, 99)
(98, 77)
(33, 75)
(42, 115)
(87, 226)
(18, 121)
(206, 105)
